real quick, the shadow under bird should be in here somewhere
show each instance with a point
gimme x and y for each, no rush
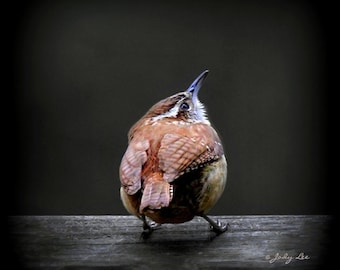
(174, 167)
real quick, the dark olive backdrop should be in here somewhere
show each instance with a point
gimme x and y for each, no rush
(84, 72)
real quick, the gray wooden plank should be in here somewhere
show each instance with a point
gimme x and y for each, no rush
(252, 242)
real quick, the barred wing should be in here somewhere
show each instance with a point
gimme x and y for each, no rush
(179, 154)
(131, 166)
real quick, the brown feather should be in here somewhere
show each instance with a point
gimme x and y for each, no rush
(157, 156)
(131, 166)
(156, 193)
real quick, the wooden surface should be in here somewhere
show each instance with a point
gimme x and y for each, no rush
(114, 242)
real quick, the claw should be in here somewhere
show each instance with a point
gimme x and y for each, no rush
(220, 228)
(146, 234)
(148, 227)
(217, 227)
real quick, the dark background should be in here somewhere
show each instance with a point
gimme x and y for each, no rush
(82, 72)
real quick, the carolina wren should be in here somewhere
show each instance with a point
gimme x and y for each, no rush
(174, 167)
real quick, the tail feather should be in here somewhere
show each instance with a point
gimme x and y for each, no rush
(156, 194)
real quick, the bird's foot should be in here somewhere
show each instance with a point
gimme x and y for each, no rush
(148, 228)
(216, 226)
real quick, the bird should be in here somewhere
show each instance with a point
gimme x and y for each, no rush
(174, 167)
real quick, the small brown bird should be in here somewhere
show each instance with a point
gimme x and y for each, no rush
(174, 167)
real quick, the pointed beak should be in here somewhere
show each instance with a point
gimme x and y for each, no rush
(197, 83)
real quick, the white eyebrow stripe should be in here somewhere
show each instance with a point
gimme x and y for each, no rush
(171, 113)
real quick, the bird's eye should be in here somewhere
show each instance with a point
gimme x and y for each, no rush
(184, 106)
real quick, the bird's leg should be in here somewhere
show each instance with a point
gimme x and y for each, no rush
(148, 227)
(217, 226)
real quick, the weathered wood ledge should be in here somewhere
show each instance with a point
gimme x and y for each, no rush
(114, 242)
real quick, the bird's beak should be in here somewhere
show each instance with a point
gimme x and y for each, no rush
(197, 83)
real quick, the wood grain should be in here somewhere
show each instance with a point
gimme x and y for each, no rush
(252, 242)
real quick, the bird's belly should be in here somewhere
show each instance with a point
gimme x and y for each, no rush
(194, 193)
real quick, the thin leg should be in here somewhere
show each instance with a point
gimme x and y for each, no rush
(217, 226)
(148, 227)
